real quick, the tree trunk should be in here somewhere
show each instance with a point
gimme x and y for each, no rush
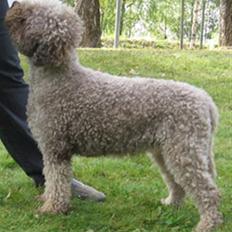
(117, 22)
(182, 24)
(89, 12)
(190, 29)
(202, 22)
(226, 23)
(122, 15)
(195, 23)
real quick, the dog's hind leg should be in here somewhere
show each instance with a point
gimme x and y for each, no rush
(176, 192)
(211, 163)
(188, 162)
(58, 175)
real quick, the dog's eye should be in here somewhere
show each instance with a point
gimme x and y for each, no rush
(22, 20)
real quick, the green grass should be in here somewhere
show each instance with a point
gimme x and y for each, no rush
(132, 185)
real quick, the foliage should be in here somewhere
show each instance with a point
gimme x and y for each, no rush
(132, 185)
(155, 18)
(107, 16)
(70, 2)
(107, 42)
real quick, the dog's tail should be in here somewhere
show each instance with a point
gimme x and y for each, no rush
(214, 119)
(214, 116)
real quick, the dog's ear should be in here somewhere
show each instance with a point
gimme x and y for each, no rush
(15, 21)
(49, 53)
(61, 34)
(14, 17)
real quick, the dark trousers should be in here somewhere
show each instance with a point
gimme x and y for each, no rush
(14, 131)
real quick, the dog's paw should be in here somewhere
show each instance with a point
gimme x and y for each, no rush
(166, 201)
(50, 208)
(209, 222)
(47, 208)
(41, 197)
(169, 201)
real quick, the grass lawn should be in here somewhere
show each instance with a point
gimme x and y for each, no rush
(132, 185)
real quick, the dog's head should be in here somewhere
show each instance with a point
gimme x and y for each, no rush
(44, 30)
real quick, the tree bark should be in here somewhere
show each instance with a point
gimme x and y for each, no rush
(122, 15)
(226, 23)
(195, 23)
(182, 25)
(89, 12)
(203, 4)
(190, 30)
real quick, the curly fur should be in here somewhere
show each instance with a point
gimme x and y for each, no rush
(73, 109)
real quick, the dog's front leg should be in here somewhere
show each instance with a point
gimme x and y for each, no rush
(58, 176)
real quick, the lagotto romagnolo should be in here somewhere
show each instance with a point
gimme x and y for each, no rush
(73, 109)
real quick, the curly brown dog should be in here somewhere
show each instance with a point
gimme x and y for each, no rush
(73, 109)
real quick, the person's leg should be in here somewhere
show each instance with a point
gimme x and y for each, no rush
(14, 131)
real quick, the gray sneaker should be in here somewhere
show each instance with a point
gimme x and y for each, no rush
(86, 192)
